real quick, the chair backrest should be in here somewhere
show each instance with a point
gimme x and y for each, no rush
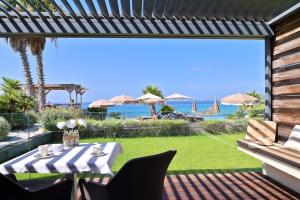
(261, 129)
(12, 190)
(141, 178)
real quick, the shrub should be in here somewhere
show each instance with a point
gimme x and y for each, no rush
(50, 116)
(166, 109)
(223, 126)
(20, 120)
(4, 128)
(136, 128)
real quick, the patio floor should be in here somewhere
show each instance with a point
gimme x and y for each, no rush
(246, 185)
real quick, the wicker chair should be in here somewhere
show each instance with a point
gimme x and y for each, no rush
(140, 178)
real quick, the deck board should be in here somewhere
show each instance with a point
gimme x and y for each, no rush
(246, 185)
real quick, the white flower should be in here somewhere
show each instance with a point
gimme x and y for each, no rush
(61, 125)
(71, 123)
(81, 122)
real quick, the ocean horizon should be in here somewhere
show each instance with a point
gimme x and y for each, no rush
(131, 111)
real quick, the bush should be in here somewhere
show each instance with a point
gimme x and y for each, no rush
(20, 120)
(166, 109)
(4, 128)
(136, 128)
(256, 111)
(50, 116)
(223, 126)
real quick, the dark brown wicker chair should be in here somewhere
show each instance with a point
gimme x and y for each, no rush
(12, 190)
(139, 179)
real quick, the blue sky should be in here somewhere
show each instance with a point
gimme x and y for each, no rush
(203, 69)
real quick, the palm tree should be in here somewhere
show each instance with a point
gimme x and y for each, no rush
(19, 44)
(152, 89)
(37, 46)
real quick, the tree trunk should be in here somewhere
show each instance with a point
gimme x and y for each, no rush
(26, 68)
(153, 111)
(41, 81)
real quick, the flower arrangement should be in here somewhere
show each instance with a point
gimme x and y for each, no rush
(71, 131)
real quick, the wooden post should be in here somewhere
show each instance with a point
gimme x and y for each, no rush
(268, 79)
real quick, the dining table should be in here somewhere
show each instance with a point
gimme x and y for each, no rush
(70, 161)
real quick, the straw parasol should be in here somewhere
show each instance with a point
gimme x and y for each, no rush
(177, 96)
(123, 99)
(151, 99)
(101, 103)
(148, 96)
(154, 101)
(239, 99)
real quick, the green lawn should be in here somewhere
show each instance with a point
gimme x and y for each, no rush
(202, 153)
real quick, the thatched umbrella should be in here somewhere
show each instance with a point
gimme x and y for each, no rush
(148, 96)
(151, 99)
(177, 96)
(101, 103)
(239, 99)
(123, 99)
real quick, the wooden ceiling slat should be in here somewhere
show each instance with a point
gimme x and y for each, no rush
(126, 8)
(114, 8)
(69, 8)
(92, 8)
(137, 8)
(103, 8)
(80, 8)
(159, 8)
(148, 8)
(171, 7)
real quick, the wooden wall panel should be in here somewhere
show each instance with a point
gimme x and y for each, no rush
(286, 76)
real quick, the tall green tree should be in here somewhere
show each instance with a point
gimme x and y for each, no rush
(152, 89)
(19, 45)
(37, 46)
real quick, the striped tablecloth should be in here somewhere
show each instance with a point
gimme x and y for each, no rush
(72, 160)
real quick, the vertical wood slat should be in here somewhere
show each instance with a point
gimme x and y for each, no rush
(268, 79)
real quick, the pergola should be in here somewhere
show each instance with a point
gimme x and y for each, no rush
(70, 88)
(277, 22)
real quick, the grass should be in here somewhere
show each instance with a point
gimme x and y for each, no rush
(195, 154)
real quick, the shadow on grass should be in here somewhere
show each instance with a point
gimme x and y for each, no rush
(171, 172)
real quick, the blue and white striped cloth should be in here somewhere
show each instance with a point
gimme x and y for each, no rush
(72, 160)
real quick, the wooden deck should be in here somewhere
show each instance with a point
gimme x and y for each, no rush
(246, 185)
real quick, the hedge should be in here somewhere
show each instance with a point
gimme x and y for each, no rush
(135, 128)
(4, 128)
(223, 126)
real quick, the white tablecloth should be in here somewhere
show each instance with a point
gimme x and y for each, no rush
(72, 160)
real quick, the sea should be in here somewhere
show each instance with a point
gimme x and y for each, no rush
(131, 111)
